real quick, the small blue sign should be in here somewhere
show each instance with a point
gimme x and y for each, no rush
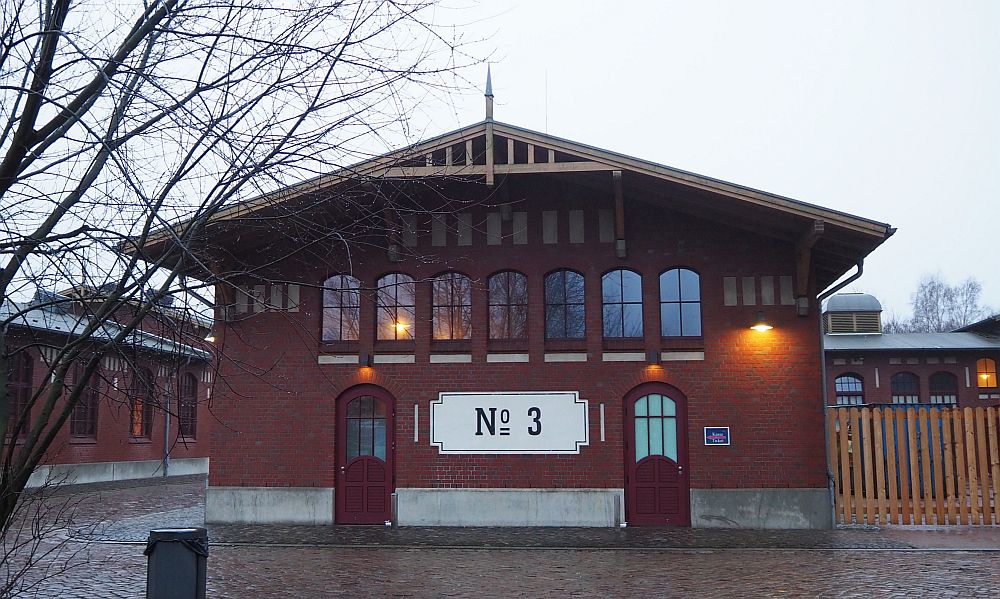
(716, 435)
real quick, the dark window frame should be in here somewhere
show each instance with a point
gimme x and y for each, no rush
(849, 389)
(142, 397)
(568, 307)
(986, 369)
(905, 388)
(681, 303)
(341, 305)
(455, 288)
(941, 392)
(508, 305)
(187, 407)
(622, 305)
(20, 388)
(84, 418)
(389, 306)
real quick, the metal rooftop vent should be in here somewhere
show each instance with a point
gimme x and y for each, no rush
(848, 313)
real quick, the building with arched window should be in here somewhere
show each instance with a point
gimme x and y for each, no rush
(534, 332)
(956, 368)
(136, 416)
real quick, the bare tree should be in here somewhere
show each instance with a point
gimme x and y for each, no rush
(939, 307)
(120, 118)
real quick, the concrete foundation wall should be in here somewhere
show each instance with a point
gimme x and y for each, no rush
(510, 507)
(100, 472)
(269, 505)
(760, 508)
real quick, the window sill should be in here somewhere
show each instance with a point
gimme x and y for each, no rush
(692, 343)
(339, 347)
(394, 347)
(187, 440)
(140, 440)
(451, 346)
(557, 345)
(507, 345)
(616, 343)
(83, 440)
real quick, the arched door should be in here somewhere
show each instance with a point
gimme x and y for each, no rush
(364, 456)
(657, 488)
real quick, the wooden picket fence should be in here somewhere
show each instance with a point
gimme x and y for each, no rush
(906, 466)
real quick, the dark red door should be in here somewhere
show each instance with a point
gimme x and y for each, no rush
(657, 492)
(365, 452)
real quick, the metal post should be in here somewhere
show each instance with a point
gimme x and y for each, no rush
(394, 502)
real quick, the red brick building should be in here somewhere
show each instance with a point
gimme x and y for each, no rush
(501, 327)
(143, 413)
(866, 366)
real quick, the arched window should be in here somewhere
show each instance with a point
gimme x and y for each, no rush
(341, 308)
(564, 310)
(850, 390)
(451, 306)
(508, 305)
(986, 373)
(143, 395)
(622, 292)
(396, 307)
(943, 388)
(655, 427)
(680, 303)
(20, 370)
(366, 428)
(83, 420)
(187, 407)
(905, 388)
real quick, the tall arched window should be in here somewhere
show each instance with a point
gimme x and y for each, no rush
(680, 303)
(622, 292)
(396, 307)
(508, 305)
(564, 309)
(850, 390)
(143, 396)
(83, 420)
(905, 388)
(20, 370)
(187, 407)
(943, 388)
(341, 308)
(451, 306)
(986, 373)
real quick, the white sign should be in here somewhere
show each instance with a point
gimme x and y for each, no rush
(510, 422)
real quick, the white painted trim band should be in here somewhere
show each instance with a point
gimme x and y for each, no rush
(501, 358)
(333, 359)
(394, 359)
(451, 358)
(566, 357)
(630, 356)
(681, 356)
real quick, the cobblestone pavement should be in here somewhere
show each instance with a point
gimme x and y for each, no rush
(305, 561)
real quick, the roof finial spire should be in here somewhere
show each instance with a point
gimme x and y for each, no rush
(489, 94)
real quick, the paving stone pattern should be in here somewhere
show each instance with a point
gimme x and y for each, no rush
(308, 561)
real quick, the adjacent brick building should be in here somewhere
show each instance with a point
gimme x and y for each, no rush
(866, 366)
(501, 327)
(144, 412)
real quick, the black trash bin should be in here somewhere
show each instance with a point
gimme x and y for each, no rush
(177, 563)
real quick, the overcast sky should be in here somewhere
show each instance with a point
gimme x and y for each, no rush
(887, 110)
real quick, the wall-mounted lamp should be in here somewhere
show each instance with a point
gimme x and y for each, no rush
(760, 324)
(210, 338)
(365, 360)
(653, 357)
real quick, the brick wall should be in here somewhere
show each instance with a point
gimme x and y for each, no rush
(277, 405)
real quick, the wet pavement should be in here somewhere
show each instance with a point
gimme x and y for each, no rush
(104, 543)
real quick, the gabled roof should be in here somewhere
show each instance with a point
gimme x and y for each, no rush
(73, 325)
(987, 326)
(512, 150)
(909, 342)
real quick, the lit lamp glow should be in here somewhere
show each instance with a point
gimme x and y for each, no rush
(401, 327)
(761, 323)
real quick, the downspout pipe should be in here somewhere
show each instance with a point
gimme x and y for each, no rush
(830, 476)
